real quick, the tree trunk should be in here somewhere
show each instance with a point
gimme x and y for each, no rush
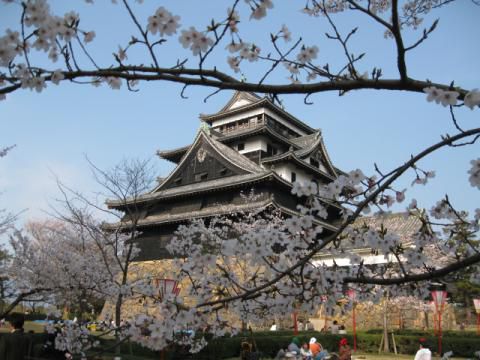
(425, 317)
(118, 314)
(386, 345)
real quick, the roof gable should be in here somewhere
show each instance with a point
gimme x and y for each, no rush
(207, 159)
(239, 99)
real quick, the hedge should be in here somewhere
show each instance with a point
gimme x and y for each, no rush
(269, 343)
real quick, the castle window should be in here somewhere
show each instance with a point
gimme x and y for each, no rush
(314, 162)
(201, 176)
(270, 150)
(293, 177)
(223, 171)
(243, 124)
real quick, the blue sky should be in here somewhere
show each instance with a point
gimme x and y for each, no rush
(55, 129)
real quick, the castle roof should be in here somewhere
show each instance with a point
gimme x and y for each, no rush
(216, 210)
(242, 101)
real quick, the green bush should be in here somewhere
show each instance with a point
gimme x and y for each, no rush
(268, 343)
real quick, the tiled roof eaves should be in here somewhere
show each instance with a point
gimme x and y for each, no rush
(167, 154)
(306, 140)
(169, 218)
(201, 187)
(220, 210)
(327, 158)
(308, 150)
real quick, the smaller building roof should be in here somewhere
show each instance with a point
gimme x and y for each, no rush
(403, 224)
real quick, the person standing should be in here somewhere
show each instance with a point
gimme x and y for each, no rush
(423, 352)
(334, 328)
(17, 344)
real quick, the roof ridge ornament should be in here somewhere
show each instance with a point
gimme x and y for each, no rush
(205, 128)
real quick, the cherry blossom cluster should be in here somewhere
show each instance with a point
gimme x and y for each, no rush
(163, 22)
(247, 51)
(74, 339)
(197, 41)
(169, 325)
(450, 97)
(259, 8)
(474, 172)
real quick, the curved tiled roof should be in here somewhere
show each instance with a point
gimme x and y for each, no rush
(306, 140)
(173, 153)
(403, 224)
(216, 210)
(309, 145)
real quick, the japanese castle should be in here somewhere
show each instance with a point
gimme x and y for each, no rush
(250, 144)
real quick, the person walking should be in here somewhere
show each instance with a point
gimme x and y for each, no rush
(17, 344)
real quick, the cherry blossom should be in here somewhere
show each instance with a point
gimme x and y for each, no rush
(163, 22)
(475, 173)
(234, 62)
(89, 36)
(472, 99)
(286, 34)
(307, 54)
(197, 41)
(449, 98)
(433, 94)
(259, 9)
(57, 76)
(114, 83)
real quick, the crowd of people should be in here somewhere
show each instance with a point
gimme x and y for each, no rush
(314, 351)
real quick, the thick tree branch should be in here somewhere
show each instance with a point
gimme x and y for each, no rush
(434, 274)
(220, 80)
